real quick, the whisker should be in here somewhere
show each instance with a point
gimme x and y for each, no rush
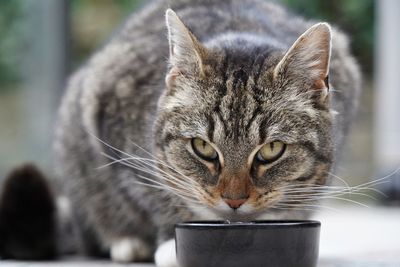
(170, 179)
(348, 200)
(340, 179)
(112, 162)
(326, 194)
(169, 190)
(145, 161)
(329, 197)
(323, 189)
(363, 185)
(294, 208)
(313, 207)
(380, 179)
(181, 191)
(182, 187)
(154, 157)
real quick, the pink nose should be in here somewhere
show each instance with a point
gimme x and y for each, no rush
(235, 203)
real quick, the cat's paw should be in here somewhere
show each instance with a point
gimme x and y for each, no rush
(165, 255)
(129, 250)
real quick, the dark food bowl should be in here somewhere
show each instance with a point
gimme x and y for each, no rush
(253, 244)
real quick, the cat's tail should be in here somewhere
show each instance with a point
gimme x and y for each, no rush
(27, 216)
(34, 223)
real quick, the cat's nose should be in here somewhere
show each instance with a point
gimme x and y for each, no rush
(235, 203)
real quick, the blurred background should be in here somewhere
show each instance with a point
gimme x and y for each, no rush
(43, 41)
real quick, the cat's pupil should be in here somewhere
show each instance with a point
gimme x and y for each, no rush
(204, 144)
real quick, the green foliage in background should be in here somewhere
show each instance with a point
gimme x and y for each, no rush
(87, 36)
(354, 17)
(93, 20)
(12, 32)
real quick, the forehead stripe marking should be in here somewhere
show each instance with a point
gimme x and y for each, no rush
(211, 127)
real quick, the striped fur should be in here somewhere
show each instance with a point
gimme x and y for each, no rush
(229, 81)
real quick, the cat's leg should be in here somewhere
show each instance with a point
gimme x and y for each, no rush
(129, 250)
(168, 216)
(123, 233)
(165, 255)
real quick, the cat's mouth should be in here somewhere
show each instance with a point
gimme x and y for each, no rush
(239, 216)
(221, 211)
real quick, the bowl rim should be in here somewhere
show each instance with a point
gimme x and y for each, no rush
(265, 224)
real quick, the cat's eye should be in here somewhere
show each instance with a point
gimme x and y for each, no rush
(270, 152)
(204, 150)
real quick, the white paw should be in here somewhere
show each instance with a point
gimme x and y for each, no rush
(165, 255)
(129, 250)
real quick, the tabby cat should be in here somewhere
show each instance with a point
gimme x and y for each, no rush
(230, 117)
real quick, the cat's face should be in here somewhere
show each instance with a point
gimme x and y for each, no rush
(243, 131)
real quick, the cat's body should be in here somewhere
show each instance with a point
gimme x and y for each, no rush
(115, 99)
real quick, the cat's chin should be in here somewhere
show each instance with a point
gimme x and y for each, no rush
(222, 212)
(244, 214)
(235, 216)
(269, 214)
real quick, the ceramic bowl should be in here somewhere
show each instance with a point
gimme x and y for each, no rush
(251, 244)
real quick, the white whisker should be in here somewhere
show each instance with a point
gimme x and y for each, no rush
(182, 188)
(177, 193)
(142, 168)
(284, 204)
(340, 179)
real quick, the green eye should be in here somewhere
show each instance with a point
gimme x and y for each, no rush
(204, 150)
(270, 152)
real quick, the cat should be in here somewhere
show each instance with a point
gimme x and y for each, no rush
(237, 115)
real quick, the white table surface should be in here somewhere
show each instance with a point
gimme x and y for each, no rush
(351, 237)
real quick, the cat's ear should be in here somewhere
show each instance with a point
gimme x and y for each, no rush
(308, 59)
(186, 53)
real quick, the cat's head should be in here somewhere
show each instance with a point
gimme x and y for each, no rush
(244, 127)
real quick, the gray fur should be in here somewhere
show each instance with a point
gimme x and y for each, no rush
(120, 98)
